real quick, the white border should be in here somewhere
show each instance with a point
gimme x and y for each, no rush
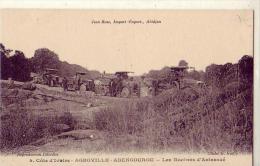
(166, 4)
(130, 4)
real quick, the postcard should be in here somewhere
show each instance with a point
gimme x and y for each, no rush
(127, 87)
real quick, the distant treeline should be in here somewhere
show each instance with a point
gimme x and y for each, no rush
(14, 64)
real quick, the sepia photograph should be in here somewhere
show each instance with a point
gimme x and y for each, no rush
(119, 82)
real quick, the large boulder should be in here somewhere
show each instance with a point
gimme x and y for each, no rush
(29, 86)
(82, 134)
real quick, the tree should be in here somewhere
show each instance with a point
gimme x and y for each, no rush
(5, 51)
(222, 75)
(246, 69)
(44, 58)
(21, 66)
(196, 75)
(183, 63)
(6, 65)
(164, 73)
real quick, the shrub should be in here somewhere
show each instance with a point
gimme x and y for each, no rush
(121, 119)
(20, 127)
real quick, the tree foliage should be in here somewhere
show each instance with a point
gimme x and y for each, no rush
(221, 75)
(44, 58)
(164, 73)
(14, 64)
(18, 67)
(21, 66)
(183, 63)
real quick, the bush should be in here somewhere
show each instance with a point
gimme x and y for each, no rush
(121, 119)
(20, 127)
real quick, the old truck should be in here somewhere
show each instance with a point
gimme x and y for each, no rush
(48, 77)
(124, 86)
(51, 77)
(118, 84)
(80, 82)
(102, 84)
(180, 80)
(177, 79)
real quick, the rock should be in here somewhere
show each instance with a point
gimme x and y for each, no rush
(89, 105)
(29, 86)
(81, 134)
(61, 127)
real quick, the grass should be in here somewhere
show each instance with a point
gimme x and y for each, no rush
(21, 127)
(184, 121)
(175, 121)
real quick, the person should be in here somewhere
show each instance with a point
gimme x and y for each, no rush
(79, 82)
(132, 85)
(155, 85)
(92, 85)
(112, 88)
(65, 84)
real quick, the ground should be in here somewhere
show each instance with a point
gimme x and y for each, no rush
(48, 119)
(53, 101)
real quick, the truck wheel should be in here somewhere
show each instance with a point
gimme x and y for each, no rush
(82, 88)
(125, 92)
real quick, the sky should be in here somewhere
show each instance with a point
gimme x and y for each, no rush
(201, 37)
